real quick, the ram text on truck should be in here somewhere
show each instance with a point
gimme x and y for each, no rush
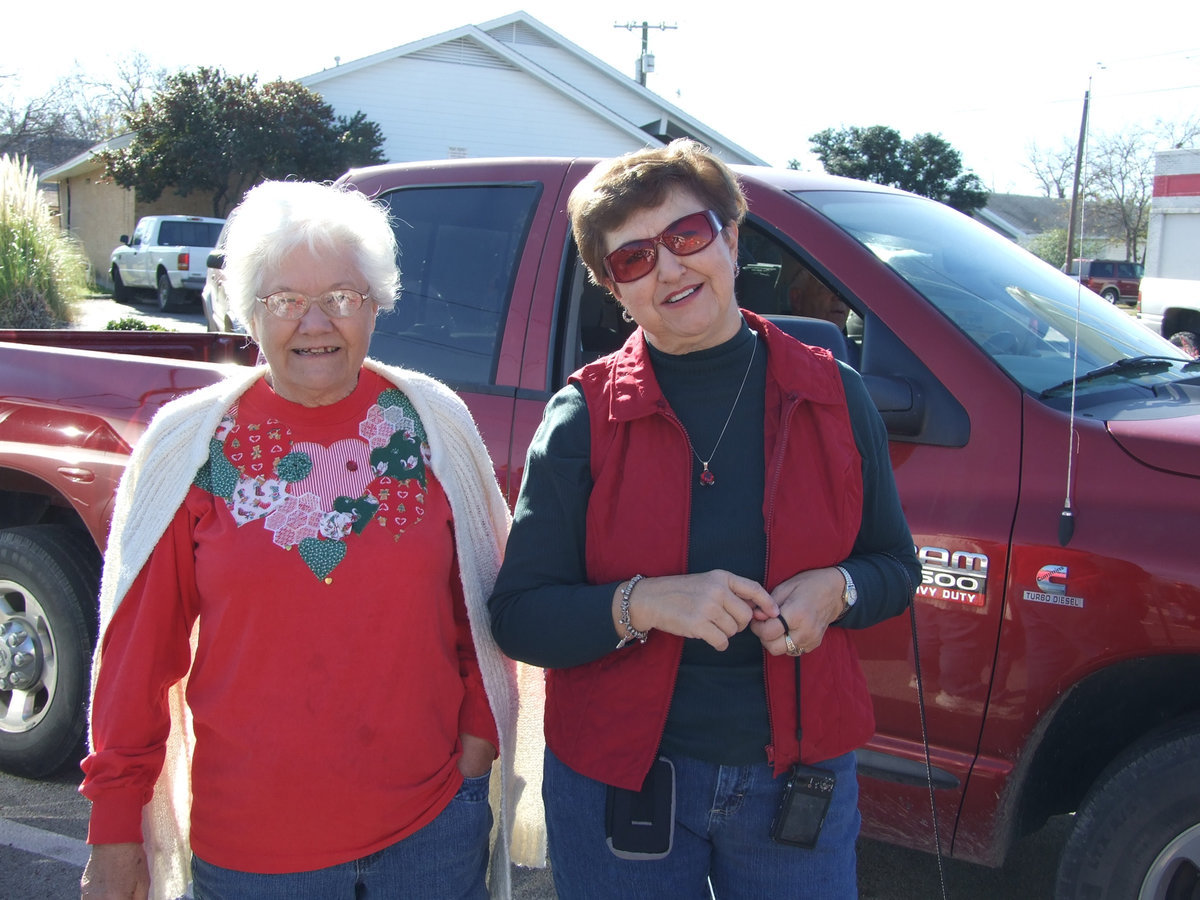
(166, 254)
(1057, 674)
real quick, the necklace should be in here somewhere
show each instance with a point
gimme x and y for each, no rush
(707, 478)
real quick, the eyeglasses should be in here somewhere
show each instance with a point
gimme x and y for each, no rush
(683, 237)
(339, 304)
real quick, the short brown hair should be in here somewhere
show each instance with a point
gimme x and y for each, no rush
(618, 188)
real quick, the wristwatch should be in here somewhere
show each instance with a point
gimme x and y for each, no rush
(849, 593)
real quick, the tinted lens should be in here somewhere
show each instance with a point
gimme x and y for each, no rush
(689, 235)
(683, 237)
(632, 261)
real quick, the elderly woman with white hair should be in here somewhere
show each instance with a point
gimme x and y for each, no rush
(296, 694)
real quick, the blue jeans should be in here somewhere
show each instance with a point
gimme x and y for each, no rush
(446, 859)
(722, 846)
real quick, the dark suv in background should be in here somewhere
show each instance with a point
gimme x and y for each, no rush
(1112, 279)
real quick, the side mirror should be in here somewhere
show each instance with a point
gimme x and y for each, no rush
(216, 259)
(125, 239)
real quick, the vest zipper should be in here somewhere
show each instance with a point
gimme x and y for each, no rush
(772, 491)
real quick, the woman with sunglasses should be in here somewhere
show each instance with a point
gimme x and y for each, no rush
(309, 547)
(705, 515)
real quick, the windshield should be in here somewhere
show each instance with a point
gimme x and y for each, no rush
(1028, 316)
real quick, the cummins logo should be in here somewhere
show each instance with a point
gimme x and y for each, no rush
(1052, 588)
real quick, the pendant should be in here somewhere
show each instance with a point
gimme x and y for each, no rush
(706, 477)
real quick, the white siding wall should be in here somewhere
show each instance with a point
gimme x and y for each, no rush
(593, 83)
(425, 107)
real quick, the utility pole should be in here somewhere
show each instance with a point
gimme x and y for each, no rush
(645, 62)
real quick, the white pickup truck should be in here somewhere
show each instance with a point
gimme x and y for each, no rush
(1169, 306)
(166, 254)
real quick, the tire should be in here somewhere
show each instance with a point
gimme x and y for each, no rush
(167, 295)
(121, 293)
(49, 578)
(1111, 294)
(1137, 832)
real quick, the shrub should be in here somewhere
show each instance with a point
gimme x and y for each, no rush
(42, 269)
(133, 323)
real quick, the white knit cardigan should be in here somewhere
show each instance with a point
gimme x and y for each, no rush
(158, 476)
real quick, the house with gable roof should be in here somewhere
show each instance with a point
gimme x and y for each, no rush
(508, 87)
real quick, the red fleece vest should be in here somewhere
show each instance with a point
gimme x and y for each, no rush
(605, 719)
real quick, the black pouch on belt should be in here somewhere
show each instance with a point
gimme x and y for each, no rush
(641, 824)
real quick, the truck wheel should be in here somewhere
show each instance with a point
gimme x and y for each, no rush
(121, 293)
(167, 295)
(1111, 294)
(49, 577)
(1137, 833)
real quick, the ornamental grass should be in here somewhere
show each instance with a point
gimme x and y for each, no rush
(43, 271)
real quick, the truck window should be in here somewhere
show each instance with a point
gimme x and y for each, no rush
(189, 234)
(459, 247)
(1027, 316)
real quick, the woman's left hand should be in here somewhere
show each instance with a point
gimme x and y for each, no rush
(808, 602)
(477, 756)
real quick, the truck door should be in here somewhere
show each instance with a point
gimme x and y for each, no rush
(140, 258)
(955, 430)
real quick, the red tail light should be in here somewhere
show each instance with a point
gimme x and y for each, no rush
(183, 262)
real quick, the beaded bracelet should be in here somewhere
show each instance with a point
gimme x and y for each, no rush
(631, 633)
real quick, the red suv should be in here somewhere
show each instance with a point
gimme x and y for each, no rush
(1112, 279)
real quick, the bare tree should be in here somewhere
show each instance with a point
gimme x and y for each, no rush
(82, 104)
(1054, 168)
(1178, 135)
(100, 107)
(1122, 179)
(26, 123)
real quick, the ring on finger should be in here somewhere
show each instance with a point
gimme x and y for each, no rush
(792, 649)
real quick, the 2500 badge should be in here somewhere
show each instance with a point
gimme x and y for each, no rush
(957, 576)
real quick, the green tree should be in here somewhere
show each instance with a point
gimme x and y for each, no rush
(211, 132)
(927, 164)
(1051, 246)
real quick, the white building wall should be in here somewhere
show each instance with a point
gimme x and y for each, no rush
(432, 109)
(1173, 233)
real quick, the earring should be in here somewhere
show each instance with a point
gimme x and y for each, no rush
(737, 270)
(625, 316)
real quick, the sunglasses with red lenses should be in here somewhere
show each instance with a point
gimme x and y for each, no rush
(683, 237)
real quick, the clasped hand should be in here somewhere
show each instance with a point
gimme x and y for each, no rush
(714, 606)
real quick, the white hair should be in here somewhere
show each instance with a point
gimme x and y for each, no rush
(276, 217)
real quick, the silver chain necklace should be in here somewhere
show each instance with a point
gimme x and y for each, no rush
(706, 477)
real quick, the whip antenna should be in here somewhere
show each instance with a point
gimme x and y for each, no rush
(1066, 519)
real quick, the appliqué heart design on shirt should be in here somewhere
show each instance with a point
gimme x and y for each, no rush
(316, 498)
(322, 556)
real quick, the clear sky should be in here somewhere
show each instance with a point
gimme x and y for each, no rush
(990, 78)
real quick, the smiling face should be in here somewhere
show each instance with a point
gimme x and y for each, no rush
(686, 302)
(314, 360)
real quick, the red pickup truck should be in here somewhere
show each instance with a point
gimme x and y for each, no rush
(1046, 448)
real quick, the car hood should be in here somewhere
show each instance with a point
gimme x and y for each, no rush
(1171, 444)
